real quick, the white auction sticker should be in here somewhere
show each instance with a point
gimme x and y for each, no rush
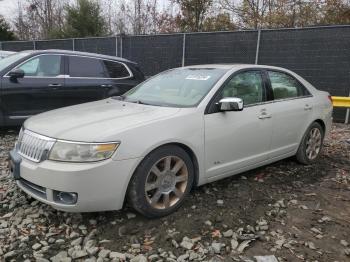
(197, 77)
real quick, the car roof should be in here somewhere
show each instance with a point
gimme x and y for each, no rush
(6, 52)
(234, 66)
(68, 52)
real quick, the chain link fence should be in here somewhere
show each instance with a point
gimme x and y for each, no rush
(320, 54)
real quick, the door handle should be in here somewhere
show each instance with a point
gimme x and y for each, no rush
(55, 85)
(106, 85)
(307, 107)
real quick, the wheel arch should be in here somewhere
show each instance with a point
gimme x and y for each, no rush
(317, 120)
(193, 157)
(322, 124)
(183, 146)
(187, 149)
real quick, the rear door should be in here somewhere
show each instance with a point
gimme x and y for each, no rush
(90, 79)
(85, 80)
(291, 110)
(36, 92)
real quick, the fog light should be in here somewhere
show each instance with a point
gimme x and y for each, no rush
(67, 198)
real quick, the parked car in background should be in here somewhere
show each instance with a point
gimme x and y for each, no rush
(36, 81)
(4, 54)
(182, 128)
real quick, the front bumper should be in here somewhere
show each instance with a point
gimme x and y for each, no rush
(100, 186)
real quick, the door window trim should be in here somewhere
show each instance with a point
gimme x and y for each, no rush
(62, 75)
(66, 73)
(266, 96)
(97, 58)
(266, 72)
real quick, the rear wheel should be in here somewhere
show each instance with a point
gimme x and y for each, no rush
(161, 182)
(311, 144)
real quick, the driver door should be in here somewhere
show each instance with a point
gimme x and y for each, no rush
(235, 140)
(36, 92)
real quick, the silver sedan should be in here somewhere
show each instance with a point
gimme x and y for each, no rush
(181, 128)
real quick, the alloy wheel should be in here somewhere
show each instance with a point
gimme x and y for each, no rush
(313, 143)
(166, 182)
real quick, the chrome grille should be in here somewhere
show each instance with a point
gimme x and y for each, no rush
(33, 146)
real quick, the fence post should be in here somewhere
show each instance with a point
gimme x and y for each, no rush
(347, 116)
(121, 45)
(183, 50)
(73, 44)
(116, 45)
(34, 45)
(0, 45)
(257, 47)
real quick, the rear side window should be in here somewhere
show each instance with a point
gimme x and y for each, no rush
(115, 69)
(285, 86)
(86, 67)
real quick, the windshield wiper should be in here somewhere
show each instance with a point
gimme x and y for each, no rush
(121, 98)
(139, 102)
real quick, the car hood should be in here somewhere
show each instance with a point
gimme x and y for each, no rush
(98, 121)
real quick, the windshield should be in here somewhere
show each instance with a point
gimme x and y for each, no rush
(5, 62)
(182, 87)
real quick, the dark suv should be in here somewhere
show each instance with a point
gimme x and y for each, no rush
(36, 81)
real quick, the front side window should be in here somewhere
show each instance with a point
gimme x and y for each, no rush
(86, 67)
(182, 87)
(45, 65)
(246, 85)
(115, 69)
(285, 86)
(9, 60)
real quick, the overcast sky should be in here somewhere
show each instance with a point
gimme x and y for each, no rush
(7, 8)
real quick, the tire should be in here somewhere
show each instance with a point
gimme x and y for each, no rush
(312, 141)
(168, 173)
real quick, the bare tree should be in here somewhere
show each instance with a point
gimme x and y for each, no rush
(193, 14)
(39, 18)
(249, 13)
(288, 13)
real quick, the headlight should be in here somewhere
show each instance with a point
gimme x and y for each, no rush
(82, 152)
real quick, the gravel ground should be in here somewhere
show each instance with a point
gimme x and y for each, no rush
(280, 212)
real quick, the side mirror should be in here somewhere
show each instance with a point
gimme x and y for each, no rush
(16, 73)
(231, 104)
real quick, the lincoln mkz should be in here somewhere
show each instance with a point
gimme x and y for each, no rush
(182, 128)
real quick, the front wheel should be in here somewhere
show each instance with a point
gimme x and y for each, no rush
(161, 182)
(311, 144)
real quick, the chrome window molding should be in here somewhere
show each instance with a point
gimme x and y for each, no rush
(278, 100)
(74, 77)
(291, 98)
(19, 117)
(272, 101)
(41, 77)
